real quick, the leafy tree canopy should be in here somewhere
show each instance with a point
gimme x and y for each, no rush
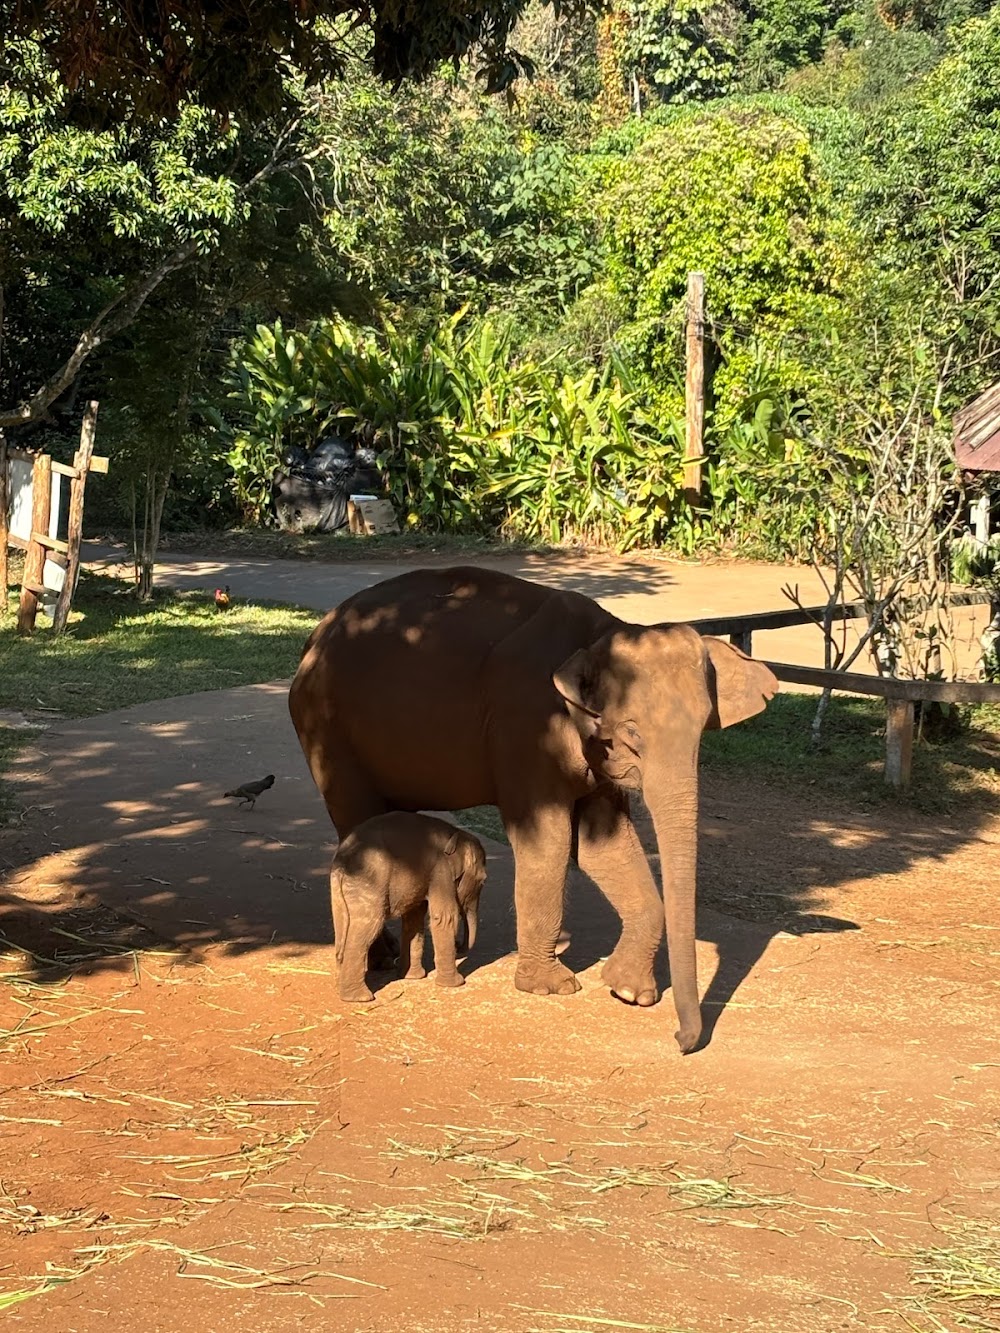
(738, 194)
(234, 56)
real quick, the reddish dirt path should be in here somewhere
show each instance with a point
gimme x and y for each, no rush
(260, 1154)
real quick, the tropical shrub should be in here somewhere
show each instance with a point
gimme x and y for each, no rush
(395, 393)
(466, 435)
(577, 458)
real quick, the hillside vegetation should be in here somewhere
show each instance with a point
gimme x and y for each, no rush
(490, 292)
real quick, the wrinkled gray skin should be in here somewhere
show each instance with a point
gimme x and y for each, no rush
(449, 688)
(412, 867)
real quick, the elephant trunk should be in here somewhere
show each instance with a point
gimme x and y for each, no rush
(471, 922)
(673, 802)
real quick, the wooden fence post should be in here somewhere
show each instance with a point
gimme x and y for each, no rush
(34, 560)
(694, 388)
(74, 534)
(898, 742)
(4, 506)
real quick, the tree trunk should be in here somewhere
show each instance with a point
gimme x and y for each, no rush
(157, 485)
(817, 722)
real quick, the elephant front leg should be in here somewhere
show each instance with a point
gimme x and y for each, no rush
(411, 949)
(541, 841)
(444, 918)
(608, 850)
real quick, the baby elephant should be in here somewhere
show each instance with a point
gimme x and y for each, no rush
(401, 865)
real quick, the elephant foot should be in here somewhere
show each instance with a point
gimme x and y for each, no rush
(688, 1039)
(356, 994)
(449, 978)
(630, 981)
(415, 973)
(548, 978)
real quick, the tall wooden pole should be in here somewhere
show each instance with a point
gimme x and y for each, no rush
(74, 533)
(694, 388)
(34, 560)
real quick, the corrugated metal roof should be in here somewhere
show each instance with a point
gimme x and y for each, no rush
(977, 433)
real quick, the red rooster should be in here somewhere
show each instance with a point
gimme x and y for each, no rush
(222, 598)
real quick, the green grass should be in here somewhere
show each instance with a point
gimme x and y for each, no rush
(777, 746)
(118, 652)
(332, 546)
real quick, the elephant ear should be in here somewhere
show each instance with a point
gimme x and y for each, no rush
(571, 680)
(740, 687)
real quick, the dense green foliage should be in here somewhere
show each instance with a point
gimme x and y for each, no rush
(737, 194)
(491, 293)
(236, 56)
(467, 439)
(438, 199)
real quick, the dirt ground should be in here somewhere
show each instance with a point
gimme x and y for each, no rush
(197, 1134)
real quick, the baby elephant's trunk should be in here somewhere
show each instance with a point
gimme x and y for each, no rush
(471, 922)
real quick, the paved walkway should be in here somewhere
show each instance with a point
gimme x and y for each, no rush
(641, 589)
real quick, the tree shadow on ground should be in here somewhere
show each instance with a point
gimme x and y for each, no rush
(128, 829)
(46, 943)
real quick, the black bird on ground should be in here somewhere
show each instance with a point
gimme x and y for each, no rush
(251, 790)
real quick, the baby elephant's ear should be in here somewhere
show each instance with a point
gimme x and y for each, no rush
(451, 844)
(570, 680)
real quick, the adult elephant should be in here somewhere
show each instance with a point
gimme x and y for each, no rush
(443, 689)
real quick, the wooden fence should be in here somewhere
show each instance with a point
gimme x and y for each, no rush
(51, 564)
(901, 696)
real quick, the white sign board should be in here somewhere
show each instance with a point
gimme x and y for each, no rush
(19, 484)
(20, 500)
(53, 578)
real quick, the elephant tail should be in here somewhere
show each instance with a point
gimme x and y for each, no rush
(338, 903)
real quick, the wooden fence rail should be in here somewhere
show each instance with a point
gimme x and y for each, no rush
(901, 696)
(741, 629)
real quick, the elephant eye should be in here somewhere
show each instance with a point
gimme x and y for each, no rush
(631, 738)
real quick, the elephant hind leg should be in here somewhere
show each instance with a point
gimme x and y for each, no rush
(363, 926)
(540, 837)
(608, 850)
(338, 907)
(348, 792)
(350, 797)
(411, 948)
